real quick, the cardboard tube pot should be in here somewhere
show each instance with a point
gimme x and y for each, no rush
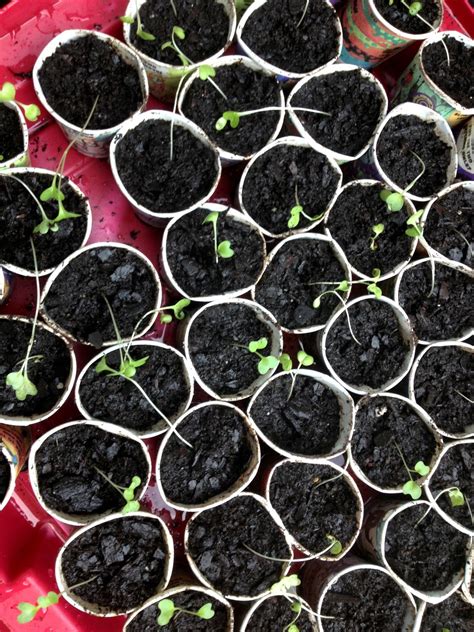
(160, 427)
(69, 183)
(168, 273)
(100, 244)
(233, 490)
(94, 608)
(89, 142)
(143, 213)
(293, 113)
(14, 446)
(245, 625)
(291, 141)
(368, 39)
(22, 158)
(465, 149)
(164, 78)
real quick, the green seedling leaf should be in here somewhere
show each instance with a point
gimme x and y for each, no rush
(415, 8)
(32, 112)
(456, 497)
(126, 19)
(257, 345)
(8, 92)
(336, 547)
(377, 230)
(422, 469)
(178, 308)
(224, 250)
(233, 118)
(295, 214)
(102, 365)
(166, 318)
(167, 610)
(132, 505)
(206, 71)
(395, 202)
(375, 290)
(22, 385)
(206, 611)
(412, 489)
(296, 607)
(304, 358)
(28, 612)
(52, 193)
(343, 286)
(266, 364)
(285, 361)
(211, 218)
(147, 37)
(285, 584)
(179, 32)
(293, 628)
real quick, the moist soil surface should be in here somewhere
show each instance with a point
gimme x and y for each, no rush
(214, 339)
(19, 215)
(381, 424)
(159, 184)
(117, 400)
(397, 15)
(246, 89)
(67, 468)
(279, 34)
(11, 134)
(48, 369)
(127, 558)
(365, 599)
(354, 103)
(350, 222)
(427, 556)
(380, 356)
(299, 273)
(456, 469)
(76, 300)
(205, 23)
(405, 135)
(220, 455)
(191, 254)
(312, 510)
(275, 613)
(190, 600)
(451, 74)
(443, 313)
(281, 175)
(218, 541)
(449, 225)
(308, 423)
(73, 76)
(441, 372)
(451, 614)
(5, 476)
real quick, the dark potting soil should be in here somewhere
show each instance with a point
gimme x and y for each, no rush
(427, 556)
(402, 137)
(205, 23)
(246, 90)
(220, 455)
(275, 613)
(445, 312)
(382, 352)
(278, 176)
(308, 423)
(448, 225)
(365, 599)
(354, 103)
(78, 71)
(5, 476)
(350, 222)
(11, 134)
(300, 272)
(456, 469)
(398, 16)
(156, 182)
(214, 337)
(451, 74)
(117, 400)
(279, 34)
(127, 558)
(192, 259)
(381, 424)
(67, 465)
(19, 215)
(76, 300)
(312, 510)
(190, 600)
(48, 368)
(218, 541)
(451, 614)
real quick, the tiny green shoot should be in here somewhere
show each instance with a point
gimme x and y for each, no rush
(394, 200)
(342, 286)
(411, 487)
(298, 210)
(128, 493)
(224, 248)
(304, 359)
(232, 117)
(415, 228)
(266, 363)
(168, 610)
(377, 230)
(177, 309)
(141, 33)
(177, 32)
(8, 94)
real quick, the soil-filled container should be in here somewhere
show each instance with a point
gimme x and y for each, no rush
(451, 614)
(389, 431)
(164, 165)
(216, 341)
(368, 345)
(219, 459)
(300, 269)
(351, 220)
(77, 67)
(274, 612)
(13, 136)
(290, 39)
(285, 174)
(191, 260)
(227, 547)
(353, 103)
(437, 295)
(440, 382)
(20, 216)
(14, 446)
(208, 27)
(95, 282)
(125, 560)
(51, 369)
(79, 470)
(162, 388)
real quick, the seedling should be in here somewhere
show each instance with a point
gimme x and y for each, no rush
(297, 211)
(128, 493)
(456, 498)
(411, 487)
(334, 548)
(377, 230)
(304, 359)
(415, 227)
(283, 588)
(177, 309)
(168, 610)
(266, 363)
(233, 117)
(224, 248)
(394, 200)
(342, 286)
(414, 9)
(8, 94)
(345, 286)
(141, 33)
